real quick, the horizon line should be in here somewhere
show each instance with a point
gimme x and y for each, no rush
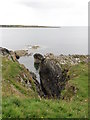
(29, 26)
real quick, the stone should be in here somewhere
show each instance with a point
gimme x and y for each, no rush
(17, 56)
(35, 47)
(4, 51)
(21, 53)
(52, 78)
(38, 58)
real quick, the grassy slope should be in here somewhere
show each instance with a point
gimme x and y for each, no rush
(20, 103)
(11, 85)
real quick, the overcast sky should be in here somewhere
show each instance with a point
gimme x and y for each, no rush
(44, 12)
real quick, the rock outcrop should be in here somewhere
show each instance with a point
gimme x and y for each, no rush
(21, 53)
(35, 47)
(25, 78)
(4, 51)
(13, 54)
(38, 58)
(52, 77)
(53, 71)
(10, 54)
(68, 59)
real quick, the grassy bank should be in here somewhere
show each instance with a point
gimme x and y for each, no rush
(20, 102)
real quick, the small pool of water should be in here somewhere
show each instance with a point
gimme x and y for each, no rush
(28, 62)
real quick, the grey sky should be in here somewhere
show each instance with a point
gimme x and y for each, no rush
(54, 4)
(44, 12)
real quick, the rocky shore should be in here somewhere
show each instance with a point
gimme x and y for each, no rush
(53, 71)
(68, 59)
(26, 78)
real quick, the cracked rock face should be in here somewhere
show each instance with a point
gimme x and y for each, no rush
(52, 78)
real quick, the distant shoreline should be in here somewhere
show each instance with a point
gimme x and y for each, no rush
(28, 26)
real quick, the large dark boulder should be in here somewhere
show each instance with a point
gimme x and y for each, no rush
(52, 78)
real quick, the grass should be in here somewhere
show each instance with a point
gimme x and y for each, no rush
(10, 73)
(35, 108)
(18, 102)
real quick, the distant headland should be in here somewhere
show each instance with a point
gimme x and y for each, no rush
(28, 26)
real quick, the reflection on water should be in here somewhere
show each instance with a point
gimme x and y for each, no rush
(28, 61)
